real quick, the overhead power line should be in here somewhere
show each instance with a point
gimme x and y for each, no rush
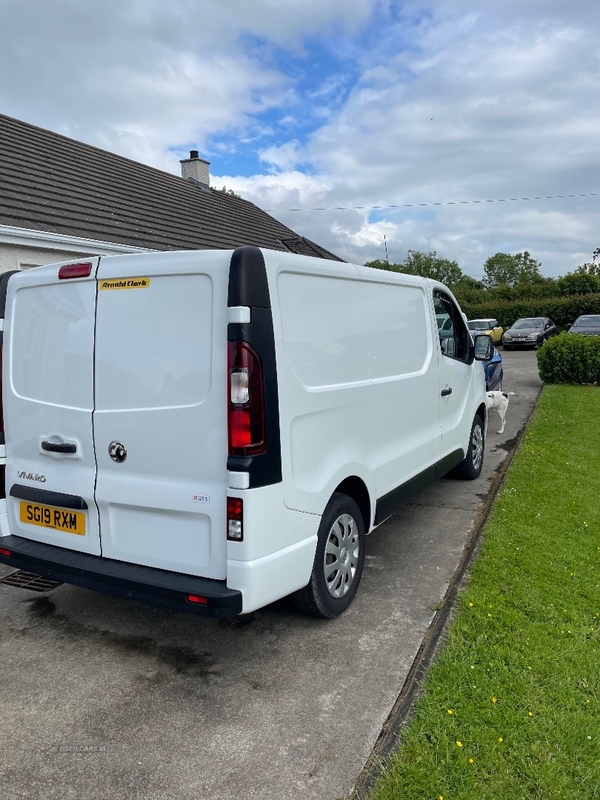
(430, 205)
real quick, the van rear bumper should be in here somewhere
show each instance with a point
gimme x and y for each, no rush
(157, 587)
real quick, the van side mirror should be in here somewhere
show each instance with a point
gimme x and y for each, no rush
(484, 347)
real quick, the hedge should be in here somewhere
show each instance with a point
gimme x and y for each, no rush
(562, 310)
(570, 358)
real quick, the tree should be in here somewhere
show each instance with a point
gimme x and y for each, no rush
(588, 269)
(225, 190)
(379, 263)
(510, 270)
(468, 291)
(585, 280)
(428, 265)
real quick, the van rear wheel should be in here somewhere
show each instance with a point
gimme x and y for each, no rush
(470, 467)
(339, 560)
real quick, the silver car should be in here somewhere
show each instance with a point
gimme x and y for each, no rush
(529, 332)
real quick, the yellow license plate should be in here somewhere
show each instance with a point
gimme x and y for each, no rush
(59, 519)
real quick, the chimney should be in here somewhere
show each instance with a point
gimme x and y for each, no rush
(195, 168)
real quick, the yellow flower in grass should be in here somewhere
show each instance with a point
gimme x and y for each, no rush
(449, 711)
(459, 744)
(500, 739)
(494, 699)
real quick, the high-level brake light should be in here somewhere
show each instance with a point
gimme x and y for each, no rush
(68, 271)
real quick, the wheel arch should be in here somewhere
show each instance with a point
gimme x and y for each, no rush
(355, 487)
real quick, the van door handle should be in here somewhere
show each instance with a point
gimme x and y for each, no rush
(59, 447)
(446, 391)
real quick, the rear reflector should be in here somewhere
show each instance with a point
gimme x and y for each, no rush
(5, 552)
(74, 271)
(195, 598)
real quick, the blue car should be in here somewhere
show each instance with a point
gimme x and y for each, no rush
(494, 372)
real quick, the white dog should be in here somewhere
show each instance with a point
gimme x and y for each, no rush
(499, 401)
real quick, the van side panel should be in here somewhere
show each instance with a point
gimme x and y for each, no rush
(323, 365)
(358, 380)
(404, 406)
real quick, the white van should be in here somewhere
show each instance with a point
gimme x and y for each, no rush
(214, 430)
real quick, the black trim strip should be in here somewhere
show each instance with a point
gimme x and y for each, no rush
(392, 501)
(248, 287)
(248, 284)
(4, 277)
(34, 495)
(157, 587)
(449, 462)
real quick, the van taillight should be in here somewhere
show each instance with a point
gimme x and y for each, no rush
(74, 271)
(246, 419)
(235, 519)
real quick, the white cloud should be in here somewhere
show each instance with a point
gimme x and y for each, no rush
(445, 100)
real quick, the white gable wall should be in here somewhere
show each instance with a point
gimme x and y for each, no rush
(21, 248)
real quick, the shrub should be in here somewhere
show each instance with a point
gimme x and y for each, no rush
(570, 358)
(562, 310)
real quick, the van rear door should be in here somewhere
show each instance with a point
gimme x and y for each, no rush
(160, 419)
(48, 402)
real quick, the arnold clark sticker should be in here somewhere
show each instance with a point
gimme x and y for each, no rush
(124, 283)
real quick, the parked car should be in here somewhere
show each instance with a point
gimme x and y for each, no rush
(444, 323)
(587, 324)
(529, 332)
(494, 372)
(487, 325)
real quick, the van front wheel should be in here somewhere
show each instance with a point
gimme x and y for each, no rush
(339, 560)
(470, 468)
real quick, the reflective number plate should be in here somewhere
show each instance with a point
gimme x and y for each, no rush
(59, 519)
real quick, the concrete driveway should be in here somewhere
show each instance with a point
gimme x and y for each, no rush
(103, 699)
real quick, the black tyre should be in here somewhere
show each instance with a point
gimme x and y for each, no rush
(470, 468)
(339, 561)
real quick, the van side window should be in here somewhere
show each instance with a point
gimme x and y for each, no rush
(453, 334)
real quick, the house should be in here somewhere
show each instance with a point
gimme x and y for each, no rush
(61, 199)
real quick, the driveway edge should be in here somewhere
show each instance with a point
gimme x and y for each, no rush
(389, 738)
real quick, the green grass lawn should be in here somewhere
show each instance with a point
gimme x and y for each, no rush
(511, 708)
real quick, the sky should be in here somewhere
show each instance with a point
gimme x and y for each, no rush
(361, 124)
